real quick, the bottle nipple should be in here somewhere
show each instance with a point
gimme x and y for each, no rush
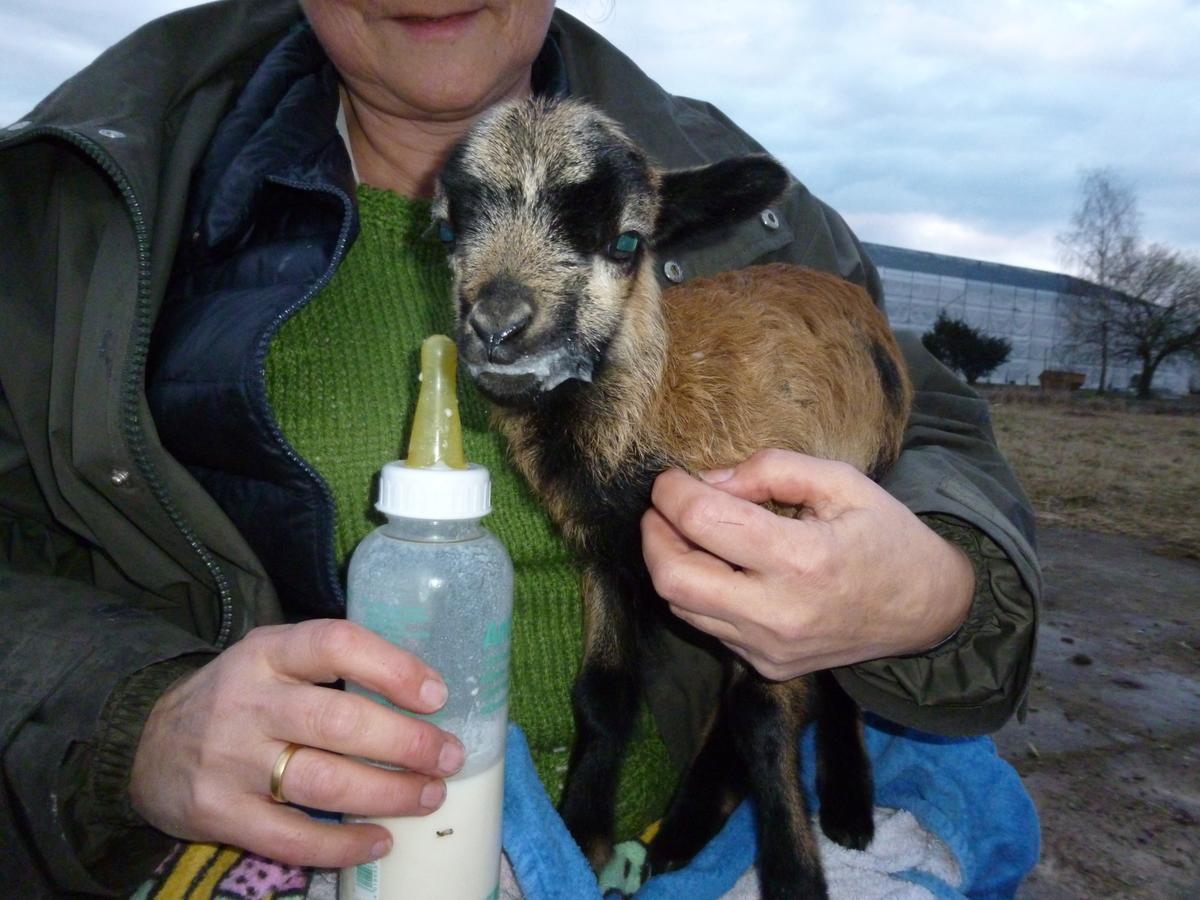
(435, 482)
(436, 438)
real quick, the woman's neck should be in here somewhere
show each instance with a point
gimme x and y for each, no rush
(405, 154)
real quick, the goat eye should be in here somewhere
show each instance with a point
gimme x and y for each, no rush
(624, 247)
(445, 232)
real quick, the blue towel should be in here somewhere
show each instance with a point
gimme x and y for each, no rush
(957, 789)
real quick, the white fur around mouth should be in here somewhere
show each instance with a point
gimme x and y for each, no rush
(551, 368)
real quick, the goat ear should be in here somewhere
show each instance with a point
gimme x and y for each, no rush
(700, 199)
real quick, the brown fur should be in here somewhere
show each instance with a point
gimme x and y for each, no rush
(774, 356)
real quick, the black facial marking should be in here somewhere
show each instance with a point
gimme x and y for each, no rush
(586, 213)
(589, 212)
(467, 195)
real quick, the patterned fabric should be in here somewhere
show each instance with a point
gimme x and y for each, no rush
(212, 872)
(342, 379)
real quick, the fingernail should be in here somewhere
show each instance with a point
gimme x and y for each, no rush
(434, 692)
(382, 849)
(716, 476)
(433, 794)
(451, 757)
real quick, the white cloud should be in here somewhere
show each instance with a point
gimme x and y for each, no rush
(965, 112)
(1034, 249)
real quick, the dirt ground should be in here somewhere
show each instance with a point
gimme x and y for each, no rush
(1110, 750)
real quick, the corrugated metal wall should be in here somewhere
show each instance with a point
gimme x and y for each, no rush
(1027, 307)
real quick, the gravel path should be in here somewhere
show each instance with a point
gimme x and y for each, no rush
(1110, 750)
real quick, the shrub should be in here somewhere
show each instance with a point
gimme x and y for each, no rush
(967, 350)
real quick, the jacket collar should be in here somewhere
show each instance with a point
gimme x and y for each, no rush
(282, 128)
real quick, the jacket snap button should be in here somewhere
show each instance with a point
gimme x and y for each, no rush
(673, 271)
(770, 219)
(111, 133)
(119, 477)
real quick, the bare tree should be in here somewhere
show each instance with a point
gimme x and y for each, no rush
(1145, 306)
(1103, 236)
(1158, 315)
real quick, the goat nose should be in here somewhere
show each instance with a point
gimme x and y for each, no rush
(503, 309)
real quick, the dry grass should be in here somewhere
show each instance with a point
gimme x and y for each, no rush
(1106, 466)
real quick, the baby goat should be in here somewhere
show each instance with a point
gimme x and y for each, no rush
(600, 381)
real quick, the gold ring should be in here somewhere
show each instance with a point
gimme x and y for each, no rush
(277, 773)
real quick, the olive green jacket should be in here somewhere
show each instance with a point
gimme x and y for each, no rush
(118, 572)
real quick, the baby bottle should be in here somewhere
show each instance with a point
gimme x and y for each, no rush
(435, 582)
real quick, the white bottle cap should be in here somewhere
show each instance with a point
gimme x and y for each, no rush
(434, 492)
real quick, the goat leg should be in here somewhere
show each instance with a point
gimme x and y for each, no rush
(844, 782)
(766, 719)
(605, 700)
(712, 788)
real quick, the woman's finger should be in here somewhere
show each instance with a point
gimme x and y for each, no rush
(738, 531)
(354, 725)
(325, 650)
(794, 479)
(321, 780)
(688, 576)
(722, 630)
(281, 833)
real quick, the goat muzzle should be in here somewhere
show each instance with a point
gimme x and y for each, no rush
(501, 312)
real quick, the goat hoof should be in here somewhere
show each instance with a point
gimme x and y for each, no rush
(854, 831)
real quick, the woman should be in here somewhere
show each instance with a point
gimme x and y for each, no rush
(190, 219)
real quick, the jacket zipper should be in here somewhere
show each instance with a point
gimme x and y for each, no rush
(131, 424)
(260, 360)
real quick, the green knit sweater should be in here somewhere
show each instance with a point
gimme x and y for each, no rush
(342, 379)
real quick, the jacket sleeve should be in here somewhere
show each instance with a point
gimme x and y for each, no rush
(953, 476)
(81, 676)
(81, 668)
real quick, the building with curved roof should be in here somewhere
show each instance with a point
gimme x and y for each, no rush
(1028, 307)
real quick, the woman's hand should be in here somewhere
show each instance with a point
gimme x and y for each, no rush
(202, 770)
(856, 577)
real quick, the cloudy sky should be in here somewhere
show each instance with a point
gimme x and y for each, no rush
(943, 125)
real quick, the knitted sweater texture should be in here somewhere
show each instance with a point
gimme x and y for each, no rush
(342, 379)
